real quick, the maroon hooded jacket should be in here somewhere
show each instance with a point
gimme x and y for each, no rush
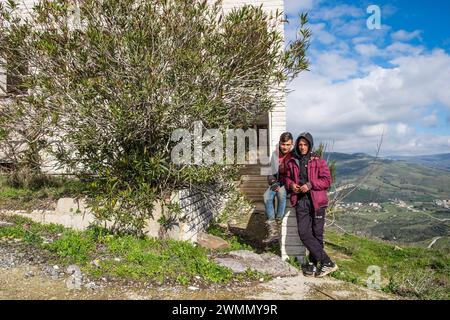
(318, 176)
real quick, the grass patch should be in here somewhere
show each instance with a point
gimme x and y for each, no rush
(29, 231)
(236, 242)
(41, 196)
(123, 256)
(409, 272)
(294, 262)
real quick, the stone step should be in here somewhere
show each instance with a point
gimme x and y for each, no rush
(259, 206)
(254, 182)
(250, 170)
(253, 192)
(255, 198)
(253, 178)
(250, 188)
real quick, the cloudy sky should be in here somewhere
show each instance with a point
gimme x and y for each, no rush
(362, 83)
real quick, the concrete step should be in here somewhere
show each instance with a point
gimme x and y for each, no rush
(255, 198)
(253, 178)
(258, 184)
(250, 170)
(253, 192)
(254, 184)
(259, 206)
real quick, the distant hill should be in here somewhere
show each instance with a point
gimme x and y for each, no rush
(389, 179)
(439, 161)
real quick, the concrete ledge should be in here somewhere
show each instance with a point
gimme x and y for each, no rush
(291, 245)
(74, 213)
(69, 220)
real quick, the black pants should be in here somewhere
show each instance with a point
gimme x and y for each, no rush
(310, 226)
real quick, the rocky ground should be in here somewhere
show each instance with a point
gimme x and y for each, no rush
(30, 273)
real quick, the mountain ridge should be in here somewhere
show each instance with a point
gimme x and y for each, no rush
(388, 179)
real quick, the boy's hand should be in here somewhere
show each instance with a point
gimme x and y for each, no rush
(314, 156)
(295, 187)
(275, 187)
(304, 188)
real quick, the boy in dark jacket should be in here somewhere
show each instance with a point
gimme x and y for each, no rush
(308, 178)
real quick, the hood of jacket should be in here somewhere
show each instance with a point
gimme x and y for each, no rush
(308, 137)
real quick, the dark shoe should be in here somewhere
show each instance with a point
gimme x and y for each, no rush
(309, 269)
(326, 268)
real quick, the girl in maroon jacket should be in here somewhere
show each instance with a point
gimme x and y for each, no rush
(308, 179)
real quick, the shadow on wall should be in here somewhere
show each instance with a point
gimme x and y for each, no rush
(254, 233)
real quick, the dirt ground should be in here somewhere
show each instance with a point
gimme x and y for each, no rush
(26, 274)
(15, 285)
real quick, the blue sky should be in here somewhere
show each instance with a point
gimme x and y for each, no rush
(394, 80)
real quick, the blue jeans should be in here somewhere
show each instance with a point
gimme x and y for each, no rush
(269, 196)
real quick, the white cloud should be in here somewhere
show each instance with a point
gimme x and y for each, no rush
(348, 28)
(431, 120)
(319, 33)
(357, 40)
(396, 49)
(367, 50)
(293, 7)
(419, 144)
(339, 11)
(402, 129)
(426, 78)
(375, 130)
(403, 35)
(355, 111)
(334, 66)
(401, 48)
(349, 97)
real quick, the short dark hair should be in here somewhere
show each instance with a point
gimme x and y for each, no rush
(286, 136)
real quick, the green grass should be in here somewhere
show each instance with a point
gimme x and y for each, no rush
(31, 232)
(236, 243)
(409, 272)
(42, 196)
(128, 257)
(396, 224)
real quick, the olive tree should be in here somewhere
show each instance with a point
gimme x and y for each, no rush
(113, 79)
